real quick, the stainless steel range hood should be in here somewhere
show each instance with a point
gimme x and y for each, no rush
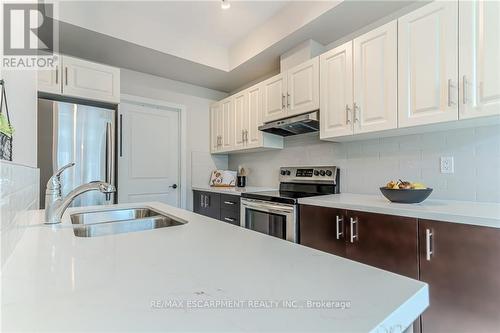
(304, 123)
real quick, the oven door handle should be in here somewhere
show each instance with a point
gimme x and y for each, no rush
(268, 208)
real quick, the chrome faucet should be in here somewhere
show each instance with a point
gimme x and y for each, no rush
(56, 205)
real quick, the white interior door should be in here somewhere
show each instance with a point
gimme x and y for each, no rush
(479, 58)
(336, 92)
(428, 64)
(148, 165)
(375, 79)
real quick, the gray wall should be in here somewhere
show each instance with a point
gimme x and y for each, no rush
(367, 165)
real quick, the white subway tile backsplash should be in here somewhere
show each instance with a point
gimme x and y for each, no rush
(367, 165)
(19, 193)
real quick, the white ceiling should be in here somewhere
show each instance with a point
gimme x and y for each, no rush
(199, 31)
(199, 43)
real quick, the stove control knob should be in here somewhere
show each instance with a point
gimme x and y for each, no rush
(283, 172)
(329, 173)
(322, 172)
(288, 173)
(316, 172)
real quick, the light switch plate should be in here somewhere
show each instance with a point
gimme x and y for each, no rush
(447, 164)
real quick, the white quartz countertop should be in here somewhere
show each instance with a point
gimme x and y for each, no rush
(466, 212)
(189, 278)
(232, 190)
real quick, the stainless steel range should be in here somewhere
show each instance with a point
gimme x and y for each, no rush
(276, 212)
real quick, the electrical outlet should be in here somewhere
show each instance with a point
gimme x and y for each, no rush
(447, 165)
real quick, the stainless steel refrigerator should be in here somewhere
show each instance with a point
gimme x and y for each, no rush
(83, 134)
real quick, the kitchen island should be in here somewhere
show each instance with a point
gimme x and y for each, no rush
(205, 275)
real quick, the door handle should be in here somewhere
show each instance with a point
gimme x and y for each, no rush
(356, 112)
(109, 157)
(339, 221)
(450, 85)
(121, 135)
(429, 249)
(354, 221)
(464, 89)
(347, 114)
(174, 186)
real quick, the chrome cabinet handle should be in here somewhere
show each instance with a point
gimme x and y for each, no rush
(207, 201)
(57, 74)
(282, 101)
(429, 249)
(202, 205)
(229, 203)
(339, 225)
(354, 221)
(229, 219)
(356, 112)
(242, 135)
(464, 87)
(246, 135)
(450, 85)
(288, 100)
(66, 75)
(347, 114)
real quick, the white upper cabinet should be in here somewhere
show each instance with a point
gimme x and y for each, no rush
(479, 58)
(254, 100)
(79, 78)
(428, 64)
(49, 81)
(240, 119)
(303, 87)
(375, 80)
(215, 127)
(274, 95)
(227, 123)
(89, 80)
(336, 92)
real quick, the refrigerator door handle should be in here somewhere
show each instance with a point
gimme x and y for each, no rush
(109, 157)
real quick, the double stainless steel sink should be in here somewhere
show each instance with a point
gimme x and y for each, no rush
(110, 222)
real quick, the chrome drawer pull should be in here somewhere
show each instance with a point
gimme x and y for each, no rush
(338, 221)
(229, 203)
(229, 219)
(429, 251)
(353, 236)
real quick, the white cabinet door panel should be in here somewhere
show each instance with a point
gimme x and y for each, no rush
(215, 126)
(90, 80)
(427, 64)
(254, 136)
(375, 80)
(274, 92)
(50, 81)
(303, 87)
(227, 124)
(336, 92)
(479, 58)
(240, 119)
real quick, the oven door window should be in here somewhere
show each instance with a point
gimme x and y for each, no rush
(266, 223)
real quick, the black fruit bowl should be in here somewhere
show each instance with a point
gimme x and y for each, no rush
(406, 196)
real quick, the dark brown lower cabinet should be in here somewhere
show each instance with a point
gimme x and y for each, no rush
(385, 241)
(224, 207)
(461, 264)
(323, 229)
